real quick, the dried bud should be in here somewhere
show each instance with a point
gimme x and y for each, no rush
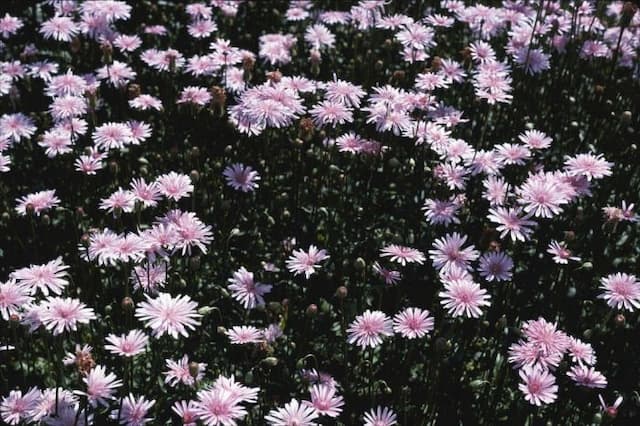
(79, 212)
(306, 129)
(494, 246)
(398, 75)
(127, 304)
(626, 116)
(194, 369)
(271, 361)
(15, 318)
(107, 51)
(133, 91)
(612, 412)
(46, 220)
(221, 330)
(569, 235)
(628, 10)
(75, 45)
(436, 63)
(85, 240)
(312, 310)
(619, 320)
(359, 264)
(342, 292)
(598, 89)
(30, 209)
(274, 76)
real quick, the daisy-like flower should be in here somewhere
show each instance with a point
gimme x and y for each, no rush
(127, 43)
(560, 253)
(538, 385)
(218, 407)
(121, 200)
(133, 411)
(448, 252)
(588, 165)
(441, 212)
(587, 376)
(293, 414)
(37, 202)
(413, 323)
(194, 95)
(535, 139)
(17, 407)
(512, 223)
(526, 353)
(390, 276)
(240, 177)
(611, 410)
(495, 265)
(16, 126)
(174, 185)
(621, 291)
(380, 416)
(64, 314)
(117, 73)
(581, 352)
(186, 410)
(13, 297)
(239, 391)
(244, 334)
(100, 386)
(369, 329)
(325, 401)
(464, 297)
(333, 113)
(9, 25)
(344, 92)
(546, 335)
(165, 314)
(61, 28)
(245, 290)
(306, 262)
(127, 345)
(402, 254)
(183, 371)
(50, 277)
(319, 36)
(112, 136)
(191, 232)
(146, 193)
(145, 102)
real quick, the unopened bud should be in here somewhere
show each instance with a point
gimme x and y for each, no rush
(342, 292)
(312, 310)
(619, 320)
(127, 304)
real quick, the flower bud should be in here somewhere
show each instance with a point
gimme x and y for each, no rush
(359, 264)
(194, 369)
(342, 292)
(127, 304)
(271, 361)
(619, 320)
(312, 310)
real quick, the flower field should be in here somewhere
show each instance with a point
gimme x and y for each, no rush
(299, 213)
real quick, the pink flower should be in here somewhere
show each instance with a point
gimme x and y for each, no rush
(560, 253)
(100, 386)
(246, 291)
(611, 410)
(333, 113)
(38, 201)
(121, 200)
(17, 407)
(413, 323)
(190, 232)
(244, 334)
(241, 177)
(589, 165)
(512, 223)
(402, 254)
(621, 291)
(117, 73)
(9, 25)
(345, 93)
(186, 410)
(587, 376)
(133, 410)
(369, 329)
(495, 266)
(380, 416)
(165, 314)
(145, 102)
(441, 211)
(319, 36)
(194, 95)
(448, 252)
(46, 278)
(306, 262)
(292, 414)
(390, 276)
(535, 139)
(146, 193)
(174, 185)
(546, 335)
(16, 126)
(218, 407)
(13, 297)
(183, 371)
(127, 345)
(325, 401)
(538, 385)
(525, 353)
(63, 314)
(238, 391)
(127, 43)
(112, 136)
(542, 195)
(60, 28)
(464, 297)
(581, 352)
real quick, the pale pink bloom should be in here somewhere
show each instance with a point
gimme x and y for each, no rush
(165, 314)
(127, 345)
(56, 141)
(133, 411)
(130, 247)
(140, 131)
(68, 106)
(100, 386)
(526, 353)
(174, 185)
(10, 25)
(621, 291)
(218, 407)
(39, 201)
(402, 254)
(581, 352)
(538, 385)
(535, 139)
(512, 223)
(495, 190)
(416, 37)
(61, 28)
(560, 253)
(297, 14)
(413, 323)
(448, 252)
(180, 372)
(163, 60)
(496, 266)
(430, 81)
(315, 377)
(186, 410)
(13, 297)
(306, 262)
(17, 407)
(146, 193)
(122, 200)
(45, 407)
(333, 113)
(380, 416)
(16, 126)
(344, 92)
(453, 175)
(150, 277)
(238, 391)
(319, 36)
(611, 410)
(482, 52)
(145, 102)
(534, 61)
(272, 333)
(112, 136)
(510, 153)
(191, 232)
(155, 30)
(50, 277)
(390, 276)
(441, 211)
(117, 73)
(67, 84)
(194, 95)
(543, 194)
(243, 334)
(588, 165)
(240, 177)
(464, 297)
(80, 353)
(202, 28)
(64, 314)
(245, 290)
(199, 11)
(292, 414)
(369, 329)
(546, 335)
(127, 43)
(325, 401)
(43, 69)
(587, 376)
